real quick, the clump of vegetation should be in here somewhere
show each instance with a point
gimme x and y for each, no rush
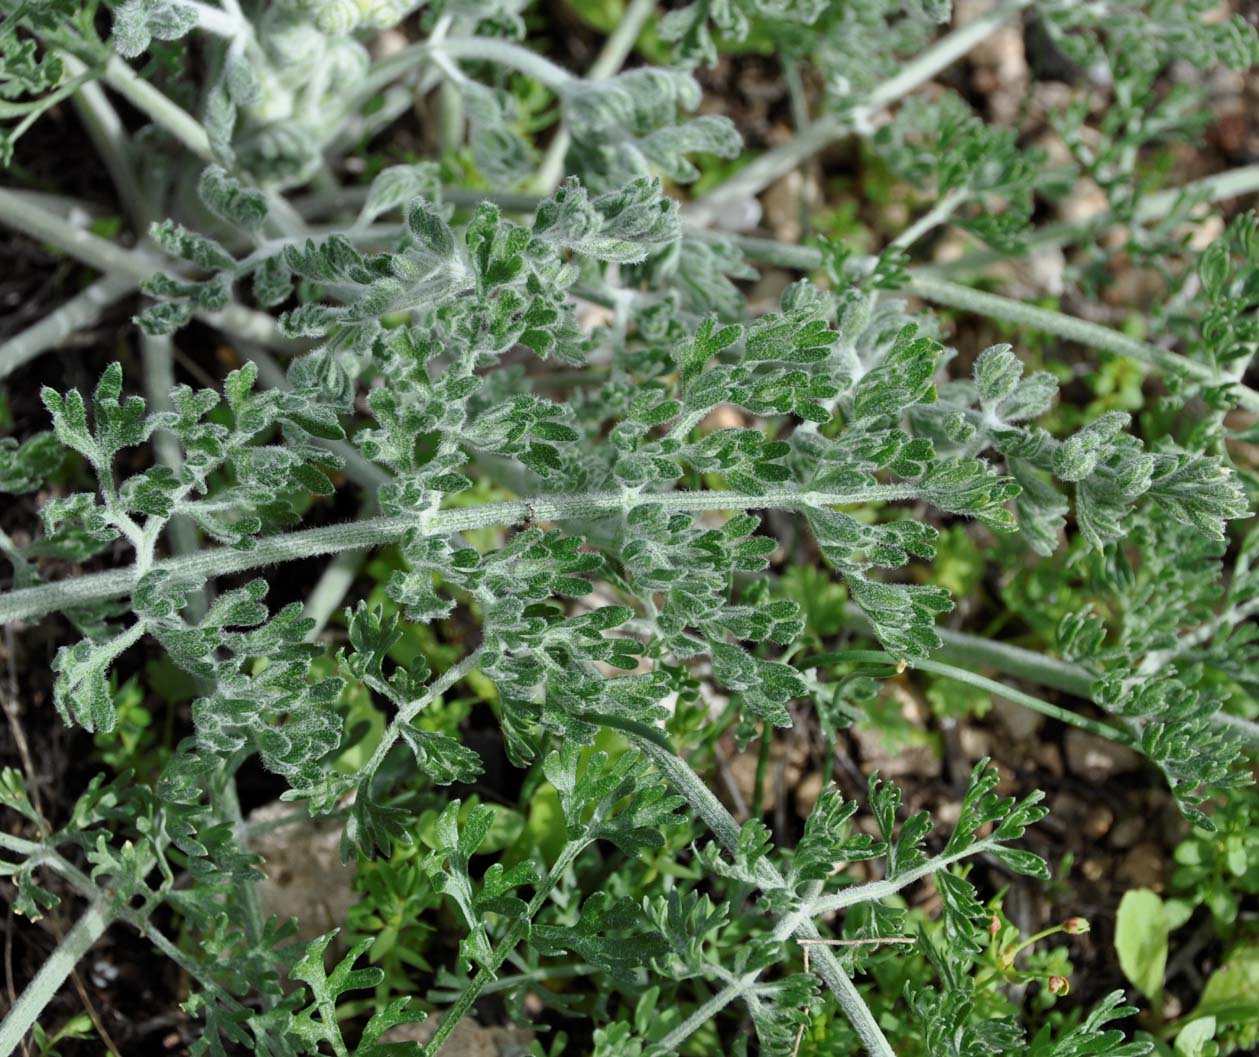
(621, 508)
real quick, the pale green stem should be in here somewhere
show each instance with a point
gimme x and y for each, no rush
(933, 218)
(974, 651)
(611, 58)
(54, 972)
(703, 1014)
(19, 212)
(411, 709)
(1210, 189)
(110, 139)
(485, 975)
(330, 590)
(319, 203)
(159, 380)
(46, 598)
(82, 310)
(360, 470)
(873, 891)
(726, 830)
(1018, 697)
(170, 116)
(759, 174)
(504, 53)
(943, 292)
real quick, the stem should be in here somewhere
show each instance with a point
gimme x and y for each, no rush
(330, 590)
(941, 291)
(934, 217)
(486, 974)
(110, 139)
(962, 675)
(46, 598)
(726, 830)
(20, 212)
(973, 651)
(755, 177)
(872, 891)
(82, 310)
(1063, 715)
(55, 971)
(611, 58)
(173, 118)
(410, 710)
(1217, 188)
(702, 1015)
(504, 53)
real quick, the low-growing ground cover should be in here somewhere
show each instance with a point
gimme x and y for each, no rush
(633, 516)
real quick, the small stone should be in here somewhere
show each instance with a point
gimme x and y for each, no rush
(975, 743)
(1127, 832)
(1022, 723)
(1098, 821)
(1049, 759)
(305, 876)
(807, 792)
(1143, 867)
(1095, 758)
(469, 1039)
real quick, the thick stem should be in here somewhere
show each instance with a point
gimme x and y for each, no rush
(1217, 188)
(504, 53)
(702, 1015)
(173, 118)
(80, 311)
(876, 890)
(1018, 697)
(933, 218)
(54, 972)
(412, 709)
(47, 598)
(110, 139)
(932, 288)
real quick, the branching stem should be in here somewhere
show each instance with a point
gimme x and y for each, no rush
(46, 598)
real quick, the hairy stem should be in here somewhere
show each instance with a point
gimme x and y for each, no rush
(1018, 697)
(932, 288)
(1217, 188)
(943, 292)
(20, 212)
(32, 602)
(82, 310)
(726, 830)
(55, 971)
(504, 53)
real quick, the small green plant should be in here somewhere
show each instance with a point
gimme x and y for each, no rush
(619, 510)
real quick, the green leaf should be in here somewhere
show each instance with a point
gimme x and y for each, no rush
(1141, 941)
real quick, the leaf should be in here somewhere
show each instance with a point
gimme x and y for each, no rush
(137, 22)
(231, 202)
(1141, 941)
(396, 185)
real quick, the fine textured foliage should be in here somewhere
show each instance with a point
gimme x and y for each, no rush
(592, 469)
